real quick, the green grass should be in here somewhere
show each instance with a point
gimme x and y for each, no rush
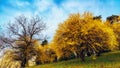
(106, 60)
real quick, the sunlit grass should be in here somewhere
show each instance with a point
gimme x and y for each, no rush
(107, 60)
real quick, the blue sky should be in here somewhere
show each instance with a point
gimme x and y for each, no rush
(54, 12)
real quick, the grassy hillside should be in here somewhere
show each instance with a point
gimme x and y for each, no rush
(106, 60)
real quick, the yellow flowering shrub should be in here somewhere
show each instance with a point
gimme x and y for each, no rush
(80, 34)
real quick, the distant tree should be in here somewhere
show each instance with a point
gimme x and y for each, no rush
(44, 42)
(21, 36)
(112, 19)
(80, 34)
(97, 17)
(114, 23)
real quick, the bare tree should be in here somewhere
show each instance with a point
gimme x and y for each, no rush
(24, 30)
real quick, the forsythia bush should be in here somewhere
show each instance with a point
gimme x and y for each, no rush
(80, 34)
(116, 29)
(45, 55)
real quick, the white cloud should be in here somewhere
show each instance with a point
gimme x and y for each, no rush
(18, 3)
(56, 16)
(52, 15)
(42, 5)
(22, 3)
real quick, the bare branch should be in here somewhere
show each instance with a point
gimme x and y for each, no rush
(22, 33)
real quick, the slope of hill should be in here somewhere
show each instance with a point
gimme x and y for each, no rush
(106, 60)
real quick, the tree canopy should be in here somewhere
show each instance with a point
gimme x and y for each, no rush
(81, 34)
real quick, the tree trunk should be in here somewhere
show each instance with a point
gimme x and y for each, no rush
(24, 61)
(75, 53)
(82, 55)
(119, 47)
